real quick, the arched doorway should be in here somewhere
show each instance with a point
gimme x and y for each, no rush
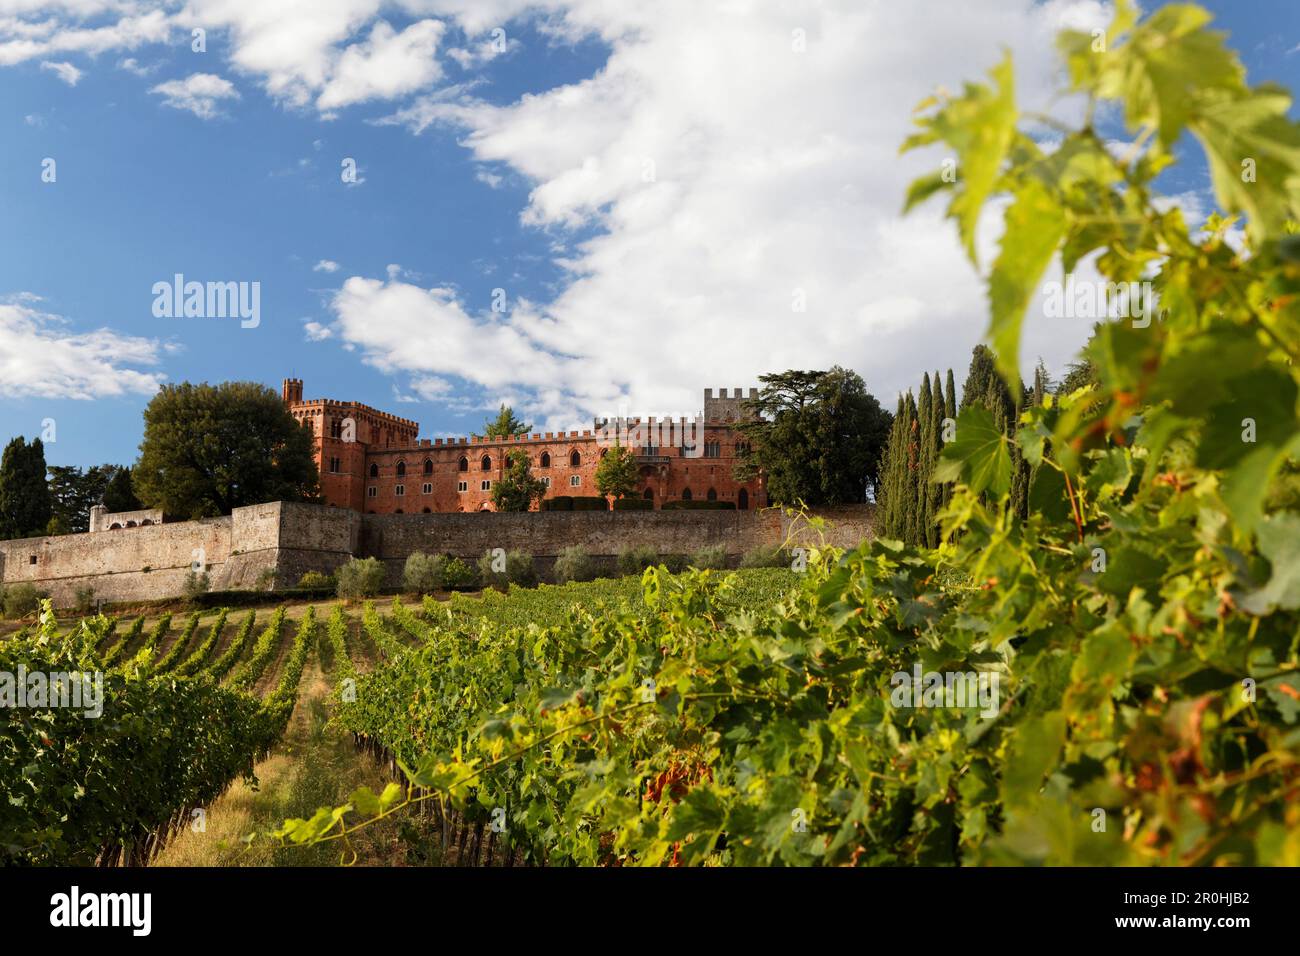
(742, 500)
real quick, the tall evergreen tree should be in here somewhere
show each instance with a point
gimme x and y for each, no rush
(920, 491)
(893, 475)
(933, 492)
(24, 494)
(950, 412)
(119, 495)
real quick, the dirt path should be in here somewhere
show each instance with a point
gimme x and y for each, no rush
(314, 766)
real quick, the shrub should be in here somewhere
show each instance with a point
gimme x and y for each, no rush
(361, 578)
(315, 579)
(635, 560)
(574, 564)
(590, 503)
(675, 563)
(558, 503)
(765, 556)
(85, 602)
(196, 584)
(21, 600)
(457, 574)
(714, 556)
(518, 570)
(422, 573)
(633, 504)
(265, 580)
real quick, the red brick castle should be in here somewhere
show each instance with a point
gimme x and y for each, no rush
(374, 462)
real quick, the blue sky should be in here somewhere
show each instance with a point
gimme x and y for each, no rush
(648, 188)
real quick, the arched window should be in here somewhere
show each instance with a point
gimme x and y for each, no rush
(374, 471)
(146, 522)
(464, 463)
(546, 459)
(712, 495)
(428, 466)
(648, 494)
(486, 463)
(115, 527)
(686, 494)
(742, 500)
(130, 524)
(401, 469)
(575, 460)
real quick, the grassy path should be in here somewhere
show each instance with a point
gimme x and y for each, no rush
(312, 767)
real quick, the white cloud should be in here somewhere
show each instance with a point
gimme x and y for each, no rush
(40, 357)
(726, 175)
(64, 71)
(199, 93)
(387, 65)
(317, 332)
(325, 265)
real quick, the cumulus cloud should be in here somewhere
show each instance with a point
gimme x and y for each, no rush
(199, 93)
(386, 65)
(41, 357)
(316, 332)
(325, 265)
(64, 71)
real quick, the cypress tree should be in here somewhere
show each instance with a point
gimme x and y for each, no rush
(933, 492)
(24, 494)
(925, 427)
(907, 521)
(895, 466)
(950, 411)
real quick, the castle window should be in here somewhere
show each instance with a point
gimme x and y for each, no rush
(546, 481)
(546, 459)
(401, 469)
(115, 527)
(400, 491)
(462, 486)
(32, 559)
(464, 463)
(742, 500)
(648, 494)
(486, 463)
(372, 492)
(428, 466)
(575, 481)
(686, 494)
(712, 495)
(426, 489)
(712, 449)
(485, 484)
(336, 465)
(374, 471)
(575, 460)
(336, 428)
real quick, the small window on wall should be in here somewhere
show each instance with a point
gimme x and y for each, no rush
(464, 463)
(546, 481)
(486, 463)
(372, 492)
(686, 494)
(462, 486)
(428, 466)
(426, 489)
(336, 465)
(374, 471)
(485, 484)
(400, 490)
(546, 460)
(575, 481)
(401, 469)
(712, 495)
(575, 460)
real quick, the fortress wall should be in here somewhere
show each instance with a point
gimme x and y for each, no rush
(292, 539)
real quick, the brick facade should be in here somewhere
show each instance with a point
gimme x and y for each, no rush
(376, 463)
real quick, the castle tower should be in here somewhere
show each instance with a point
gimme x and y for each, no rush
(291, 391)
(724, 408)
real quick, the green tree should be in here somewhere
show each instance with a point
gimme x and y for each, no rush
(517, 489)
(208, 449)
(73, 492)
(24, 495)
(617, 474)
(119, 495)
(505, 425)
(818, 437)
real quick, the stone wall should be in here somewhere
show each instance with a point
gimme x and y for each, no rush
(290, 539)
